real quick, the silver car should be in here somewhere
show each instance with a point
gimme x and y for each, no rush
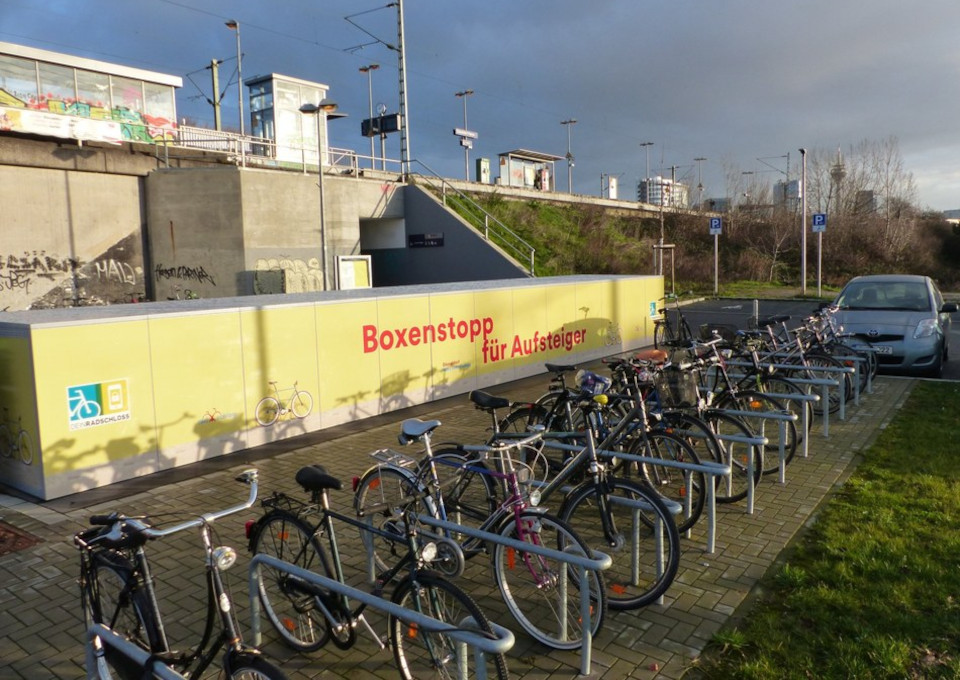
(904, 317)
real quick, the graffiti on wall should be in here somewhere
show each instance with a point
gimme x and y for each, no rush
(196, 274)
(296, 275)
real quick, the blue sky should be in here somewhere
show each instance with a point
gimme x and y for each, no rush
(731, 81)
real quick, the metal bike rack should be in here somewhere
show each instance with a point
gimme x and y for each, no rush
(709, 468)
(782, 418)
(134, 652)
(598, 562)
(481, 644)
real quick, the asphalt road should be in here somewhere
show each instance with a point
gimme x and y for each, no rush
(737, 312)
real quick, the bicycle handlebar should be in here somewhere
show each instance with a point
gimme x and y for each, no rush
(122, 527)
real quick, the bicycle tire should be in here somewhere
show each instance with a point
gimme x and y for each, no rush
(268, 411)
(25, 448)
(521, 418)
(293, 614)
(661, 334)
(655, 569)
(6, 441)
(777, 384)
(420, 655)
(736, 455)
(116, 600)
(752, 401)
(386, 488)
(669, 482)
(530, 584)
(250, 665)
(301, 404)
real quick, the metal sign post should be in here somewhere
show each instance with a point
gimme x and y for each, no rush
(716, 227)
(819, 226)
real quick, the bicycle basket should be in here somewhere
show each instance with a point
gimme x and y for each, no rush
(677, 388)
(592, 383)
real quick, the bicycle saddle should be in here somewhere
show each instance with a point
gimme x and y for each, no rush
(484, 400)
(560, 368)
(654, 356)
(414, 428)
(316, 478)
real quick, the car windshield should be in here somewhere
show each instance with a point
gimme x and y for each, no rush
(910, 296)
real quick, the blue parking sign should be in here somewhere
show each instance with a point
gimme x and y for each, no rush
(716, 225)
(819, 222)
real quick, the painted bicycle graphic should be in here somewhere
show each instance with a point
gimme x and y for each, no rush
(15, 442)
(81, 406)
(270, 408)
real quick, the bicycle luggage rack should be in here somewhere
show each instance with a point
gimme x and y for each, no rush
(391, 457)
(128, 649)
(482, 644)
(598, 562)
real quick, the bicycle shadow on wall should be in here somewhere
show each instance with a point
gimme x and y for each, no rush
(393, 392)
(353, 401)
(218, 434)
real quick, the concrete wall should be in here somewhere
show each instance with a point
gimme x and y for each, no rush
(464, 255)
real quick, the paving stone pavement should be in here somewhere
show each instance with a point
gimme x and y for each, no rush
(40, 621)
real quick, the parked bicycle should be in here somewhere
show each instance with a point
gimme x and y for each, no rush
(15, 441)
(529, 584)
(307, 616)
(272, 407)
(671, 332)
(117, 589)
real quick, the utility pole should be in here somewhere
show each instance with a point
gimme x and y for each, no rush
(215, 75)
(402, 68)
(646, 178)
(568, 123)
(803, 221)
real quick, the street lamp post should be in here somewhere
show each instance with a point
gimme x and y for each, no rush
(320, 111)
(646, 179)
(699, 183)
(803, 221)
(234, 25)
(568, 123)
(369, 69)
(463, 94)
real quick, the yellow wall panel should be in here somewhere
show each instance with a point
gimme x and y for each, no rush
(455, 358)
(94, 394)
(199, 393)
(350, 367)
(403, 335)
(495, 308)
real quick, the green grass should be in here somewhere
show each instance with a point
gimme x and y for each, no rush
(873, 589)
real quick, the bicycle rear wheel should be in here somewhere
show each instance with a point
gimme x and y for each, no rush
(644, 545)
(290, 608)
(543, 594)
(749, 401)
(686, 487)
(380, 493)
(420, 654)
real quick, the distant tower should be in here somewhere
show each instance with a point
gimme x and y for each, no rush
(838, 172)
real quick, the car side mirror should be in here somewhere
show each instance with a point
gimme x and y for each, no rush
(948, 308)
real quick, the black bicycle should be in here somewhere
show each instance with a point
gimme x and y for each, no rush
(117, 590)
(671, 332)
(307, 616)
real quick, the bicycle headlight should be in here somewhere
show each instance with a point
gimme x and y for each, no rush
(224, 557)
(429, 551)
(535, 497)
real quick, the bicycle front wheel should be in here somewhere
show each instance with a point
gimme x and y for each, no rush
(543, 594)
(638, 532)
(736, 454)
(686, 487)
(469, 492)
(421, 654)
(749, 401)
(116, 600)
(251, 666)
(301, 404)
(290, 609)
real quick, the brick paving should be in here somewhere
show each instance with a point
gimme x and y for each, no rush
(40, 622)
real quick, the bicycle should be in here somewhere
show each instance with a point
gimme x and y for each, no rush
(667, 333)
(307, 616)
(15, 441)
(529, 584)
(623, 517)
(270, 408)
(117, 589)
